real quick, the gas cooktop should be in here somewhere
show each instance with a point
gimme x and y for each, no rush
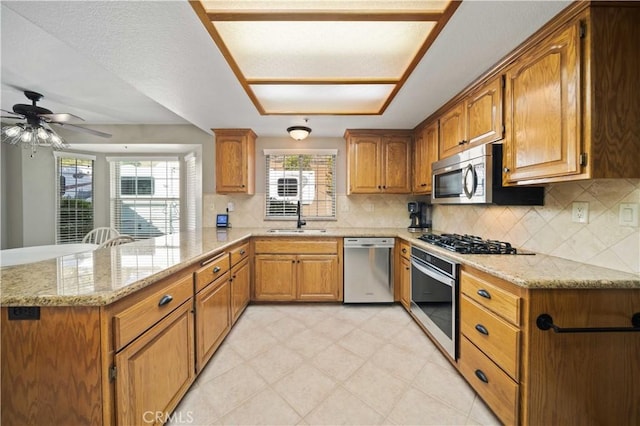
(469, 244)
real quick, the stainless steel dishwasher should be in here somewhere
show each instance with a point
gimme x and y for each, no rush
(368, 270)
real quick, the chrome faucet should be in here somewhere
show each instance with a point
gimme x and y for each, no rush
(300, 221)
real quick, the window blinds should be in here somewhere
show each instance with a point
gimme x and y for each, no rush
(297, 176)
(74, 196)
(145, 196)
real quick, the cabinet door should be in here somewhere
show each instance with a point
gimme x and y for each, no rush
(235, 152)
(364, 164)
(155, 370)
(396, 165)
(484, 114)
(240, 290)
(213, 318)
(405, 283)
(317, 277)
(452, 126)
(542, 109)
(275, 277)
(426, 152)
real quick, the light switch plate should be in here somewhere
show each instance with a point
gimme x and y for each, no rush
(628, 214)
(580, 212)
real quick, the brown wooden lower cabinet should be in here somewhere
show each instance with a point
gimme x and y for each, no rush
(240, 288)
(531, 376)
(156, 370)
(213, 318)
(129, 362)
(300, 269)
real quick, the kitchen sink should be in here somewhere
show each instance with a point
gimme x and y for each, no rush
(296, 231)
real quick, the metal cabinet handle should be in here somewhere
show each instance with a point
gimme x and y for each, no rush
(165, 300)
(216, 269)
(461, 142)
(423, 184)
(379, 187)
(404, 250)
(480, 375)
(484, 293)
(506, 170)
(242, 252)
(482, 329)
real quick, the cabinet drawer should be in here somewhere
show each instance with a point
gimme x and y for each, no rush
(132, 322)
(405, 249)
(494, 336)
(496, 388)
(238, 253)
(501, 302)
(296, 246)
(211, 269)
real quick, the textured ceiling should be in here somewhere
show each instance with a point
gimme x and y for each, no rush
(151, 62)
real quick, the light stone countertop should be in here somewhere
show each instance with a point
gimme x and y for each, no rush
(105, 275)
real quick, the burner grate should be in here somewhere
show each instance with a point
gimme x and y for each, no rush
(468, 244)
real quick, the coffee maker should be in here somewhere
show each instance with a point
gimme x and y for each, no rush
(420, 215)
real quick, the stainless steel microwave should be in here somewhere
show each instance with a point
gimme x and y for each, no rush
(474, 176)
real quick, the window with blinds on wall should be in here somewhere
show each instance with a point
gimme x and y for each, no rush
(145, 196)
(305, 176)
(74, 196)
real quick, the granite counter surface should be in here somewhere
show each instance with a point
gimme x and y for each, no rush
(105, 275)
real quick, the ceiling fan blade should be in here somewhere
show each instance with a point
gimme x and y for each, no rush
(13, 117)
(83, 130)
(12, 113)
(60, 118)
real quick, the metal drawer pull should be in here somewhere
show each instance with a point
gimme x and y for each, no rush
(545, 322)
(242, 252)
(484, 293)
(216, 269)
(480, 375)
(482, 329)
(165, 299)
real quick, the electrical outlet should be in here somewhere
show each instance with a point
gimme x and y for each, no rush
(230, 207)
(628, 214)
(580, 213)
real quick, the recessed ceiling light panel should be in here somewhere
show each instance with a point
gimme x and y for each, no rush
(323, 57)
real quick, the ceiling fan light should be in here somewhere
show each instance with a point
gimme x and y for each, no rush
(12, 131)
(42, 134)
(299, 132)
(27, 136)
(57, 142)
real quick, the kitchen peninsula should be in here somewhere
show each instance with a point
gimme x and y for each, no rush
(103, 315)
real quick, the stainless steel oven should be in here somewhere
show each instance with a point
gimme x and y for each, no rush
(434, 297)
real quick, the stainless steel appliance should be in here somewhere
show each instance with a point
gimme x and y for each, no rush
(470, 244)
(475, 177)
(434, 297)
(420, 215)
(368, 270)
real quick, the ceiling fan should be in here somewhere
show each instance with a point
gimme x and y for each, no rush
(37, 130)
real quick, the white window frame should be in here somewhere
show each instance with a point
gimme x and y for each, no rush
(58, 155)
(310, 196)
(116, 199)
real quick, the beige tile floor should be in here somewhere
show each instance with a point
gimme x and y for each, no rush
(329, 364)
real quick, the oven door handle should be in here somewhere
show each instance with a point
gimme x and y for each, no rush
(436, 276)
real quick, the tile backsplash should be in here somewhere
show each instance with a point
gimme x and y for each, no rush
(544, 229)
(362, 211)
(549, 229)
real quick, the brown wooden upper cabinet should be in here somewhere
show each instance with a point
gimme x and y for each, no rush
(571, 101)
(378, 161)
(475, 120)
(235, 161)
(425, 152)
